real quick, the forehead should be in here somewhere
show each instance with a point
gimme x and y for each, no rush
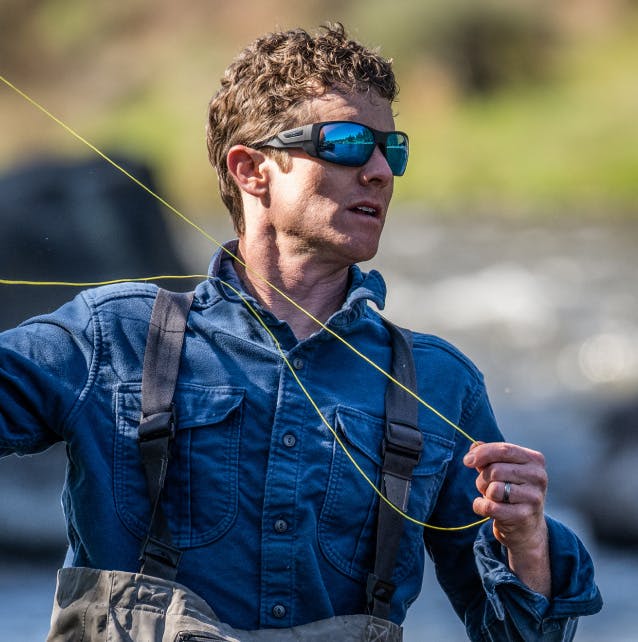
(368, 108)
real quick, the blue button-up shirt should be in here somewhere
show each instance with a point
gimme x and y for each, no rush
(276, 524)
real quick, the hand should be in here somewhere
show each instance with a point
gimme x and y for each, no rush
(519, 520)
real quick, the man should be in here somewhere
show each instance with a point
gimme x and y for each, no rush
(269, 516)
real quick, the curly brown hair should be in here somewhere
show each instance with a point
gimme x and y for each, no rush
(263, 90)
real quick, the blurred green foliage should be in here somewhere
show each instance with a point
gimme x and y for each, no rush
(524, 107)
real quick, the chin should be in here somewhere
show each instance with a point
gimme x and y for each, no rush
(361, 252)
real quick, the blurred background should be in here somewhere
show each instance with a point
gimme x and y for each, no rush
(513, 233)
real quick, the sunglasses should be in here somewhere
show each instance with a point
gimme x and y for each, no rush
(345, 143)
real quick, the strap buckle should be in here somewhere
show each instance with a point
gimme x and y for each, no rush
(157, 426)
(157, 554)
(378, 589)
(403, 439)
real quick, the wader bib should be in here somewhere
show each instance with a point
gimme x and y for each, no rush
(94, 605)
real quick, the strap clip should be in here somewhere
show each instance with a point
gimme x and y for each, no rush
(157, 426)
(404, 440)
(155, 553)
(378, 589)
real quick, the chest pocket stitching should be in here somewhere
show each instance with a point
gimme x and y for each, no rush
(211, 464)
(363, 434)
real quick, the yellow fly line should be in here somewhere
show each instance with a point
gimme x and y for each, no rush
(334, 432)
(257, 275)
(94, 284)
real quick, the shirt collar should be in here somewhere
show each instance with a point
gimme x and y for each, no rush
(364, 286)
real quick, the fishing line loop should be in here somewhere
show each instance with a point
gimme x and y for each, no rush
(257, 275)
(334, 433)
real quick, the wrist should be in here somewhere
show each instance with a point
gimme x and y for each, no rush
(530, 563)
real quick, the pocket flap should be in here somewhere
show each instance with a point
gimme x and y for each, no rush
(366, 432)
(204, 405)
(195, 405)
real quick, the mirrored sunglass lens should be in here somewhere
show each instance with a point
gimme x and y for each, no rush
(396, 153)
(345, 143)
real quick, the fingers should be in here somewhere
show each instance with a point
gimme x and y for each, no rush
(529, 473)
(482, 455)
(518, 494)
(512, 482)
(498, 463)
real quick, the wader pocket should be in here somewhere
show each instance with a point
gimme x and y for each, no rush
(347, 526)
(93, 606)
(201, 490)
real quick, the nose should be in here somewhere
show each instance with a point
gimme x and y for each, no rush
(376, 170)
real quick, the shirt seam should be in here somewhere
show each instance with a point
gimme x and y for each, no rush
(471, 403)
(93, 366)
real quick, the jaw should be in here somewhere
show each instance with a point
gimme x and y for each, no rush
(358, 240)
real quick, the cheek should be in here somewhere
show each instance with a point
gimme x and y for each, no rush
(318, 191)
(314, 185)
(335, 182)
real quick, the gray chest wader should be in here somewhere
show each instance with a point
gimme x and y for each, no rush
(149, 606)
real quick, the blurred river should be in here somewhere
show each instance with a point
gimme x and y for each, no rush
(549, 312)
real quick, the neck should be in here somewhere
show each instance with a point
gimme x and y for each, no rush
(314, 286)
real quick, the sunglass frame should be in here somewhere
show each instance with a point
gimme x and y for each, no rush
(306, 137)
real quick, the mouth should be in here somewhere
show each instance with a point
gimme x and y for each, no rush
(366, 210)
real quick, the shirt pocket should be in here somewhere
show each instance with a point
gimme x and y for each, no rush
(348, 521)
(201, 490)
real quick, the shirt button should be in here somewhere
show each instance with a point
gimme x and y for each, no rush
(289, 440)
(279, 610)
(297, 363)
(281, 526)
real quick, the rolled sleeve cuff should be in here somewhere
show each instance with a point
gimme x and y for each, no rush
(574, 592)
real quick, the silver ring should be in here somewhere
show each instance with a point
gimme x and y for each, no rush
(506, 492)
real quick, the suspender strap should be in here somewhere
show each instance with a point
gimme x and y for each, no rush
(164, 343)
(402, 447)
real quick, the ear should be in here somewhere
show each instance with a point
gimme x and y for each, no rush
(249, 169)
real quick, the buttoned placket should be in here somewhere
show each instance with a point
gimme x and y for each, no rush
(280, 497)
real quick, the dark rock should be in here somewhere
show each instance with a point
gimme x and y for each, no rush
(77, 221)
(66, 221)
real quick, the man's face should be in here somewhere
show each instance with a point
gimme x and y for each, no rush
(332, 211)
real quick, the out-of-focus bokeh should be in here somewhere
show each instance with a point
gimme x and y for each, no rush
(513, 233)
(514, 107)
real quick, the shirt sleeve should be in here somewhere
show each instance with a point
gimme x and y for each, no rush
(471, 565)
(45, 365)
(515, 611)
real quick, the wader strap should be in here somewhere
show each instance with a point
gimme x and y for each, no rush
(164, 343)
(401, 452)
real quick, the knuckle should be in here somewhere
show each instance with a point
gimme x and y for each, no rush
(488, 473)
(540, 458)
(478, 506)
(537, 503)
(492, 491)
(544, 483)
(495, 472)
(504, 450)
(540, 479)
